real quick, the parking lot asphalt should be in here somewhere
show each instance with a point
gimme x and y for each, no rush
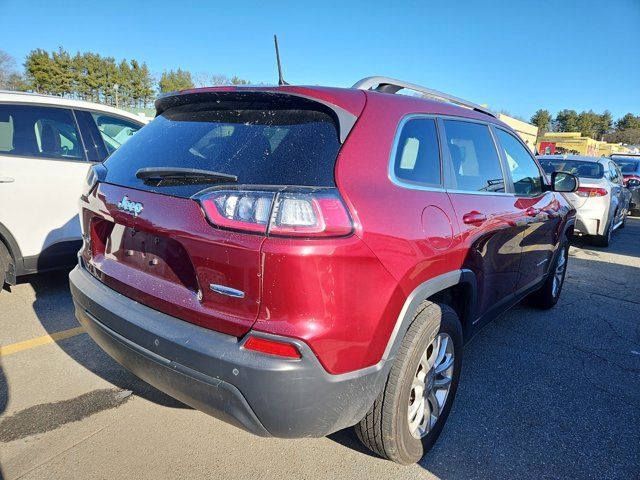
(543, 394)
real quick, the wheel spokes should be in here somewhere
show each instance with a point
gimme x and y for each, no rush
(430, 385)
(416, 414)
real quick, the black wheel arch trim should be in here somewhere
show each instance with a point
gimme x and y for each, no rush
(14, 250)
(423, 292)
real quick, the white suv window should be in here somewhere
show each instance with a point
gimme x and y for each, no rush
(115, 131)
(35, 131)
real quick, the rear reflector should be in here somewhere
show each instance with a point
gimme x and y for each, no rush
(272, 347)
(290, 214)
(591, 192)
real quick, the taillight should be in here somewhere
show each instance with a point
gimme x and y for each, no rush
(319, 213)
(272, 347)
(239, 210)
(591, 192)
(631, 177)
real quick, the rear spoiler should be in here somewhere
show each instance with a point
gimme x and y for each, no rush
(344, 119)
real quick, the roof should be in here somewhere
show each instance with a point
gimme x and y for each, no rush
(40, 99)
(629, 155)
(582, 158)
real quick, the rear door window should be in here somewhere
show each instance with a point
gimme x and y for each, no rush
(115, 131)
(260, 142)
(526, 176)
(417, 158)
(474, 158)
(35, 131)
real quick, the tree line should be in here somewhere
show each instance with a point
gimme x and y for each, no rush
(129, 83)
(93, 77)
(600, 126)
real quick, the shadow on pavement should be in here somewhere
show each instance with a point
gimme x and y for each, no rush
(4, 401)
(552, 394)
(54, 308)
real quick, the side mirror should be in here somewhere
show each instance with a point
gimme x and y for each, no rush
(564, 182)
(633, 182)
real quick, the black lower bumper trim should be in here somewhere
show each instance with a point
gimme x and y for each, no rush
(210, 395)
(210, 371)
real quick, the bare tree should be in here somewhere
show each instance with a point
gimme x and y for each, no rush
(204, 79)
(7, 67)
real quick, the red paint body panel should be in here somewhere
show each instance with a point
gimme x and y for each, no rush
(215, 256)
(334, 294)
(389, 217)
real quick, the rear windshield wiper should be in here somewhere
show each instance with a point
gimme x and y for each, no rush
(175, 175)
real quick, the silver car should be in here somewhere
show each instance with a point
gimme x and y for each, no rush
(601, 202)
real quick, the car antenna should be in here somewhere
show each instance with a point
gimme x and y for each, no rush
(280, 79)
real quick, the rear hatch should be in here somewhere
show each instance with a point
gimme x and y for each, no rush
(152, 237)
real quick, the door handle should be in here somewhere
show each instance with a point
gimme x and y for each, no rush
(6, 180)
(532, 212)
(473, 218)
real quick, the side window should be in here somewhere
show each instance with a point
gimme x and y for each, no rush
(115, 131)
(615, 175)
(417, 154)
(35, 131)
(527, 179)
(475, 162)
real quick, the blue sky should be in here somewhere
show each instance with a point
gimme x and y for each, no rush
(515, 55)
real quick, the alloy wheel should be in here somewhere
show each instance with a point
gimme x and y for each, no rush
(430, 386)
(558, 275)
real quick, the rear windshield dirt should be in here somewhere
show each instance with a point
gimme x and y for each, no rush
(261, 144)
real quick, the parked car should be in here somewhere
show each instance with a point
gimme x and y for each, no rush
(630, 168)
(47, 145)
(297, 260)
(602, 202)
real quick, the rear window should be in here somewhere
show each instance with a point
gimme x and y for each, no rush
(575, 167)
(417, 153)
(627, 165)
(262, 143)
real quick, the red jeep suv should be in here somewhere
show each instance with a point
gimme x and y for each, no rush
(297, 260)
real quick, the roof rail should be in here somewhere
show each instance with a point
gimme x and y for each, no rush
(391, 85)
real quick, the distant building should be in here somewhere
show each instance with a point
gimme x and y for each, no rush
(527, 132)
(577, 144)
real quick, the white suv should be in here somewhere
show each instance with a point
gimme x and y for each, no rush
(47, 144)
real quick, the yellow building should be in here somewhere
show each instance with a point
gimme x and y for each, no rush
(575, 143)
(528, 133)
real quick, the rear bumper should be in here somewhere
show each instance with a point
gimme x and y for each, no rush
(592, 217)
(587, 226)
(210, 371)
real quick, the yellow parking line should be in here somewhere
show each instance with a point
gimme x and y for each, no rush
(43, 340)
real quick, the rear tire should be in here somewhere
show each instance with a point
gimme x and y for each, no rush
(549, 294)
(5, 261)
(604, 240)
(404, 422)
